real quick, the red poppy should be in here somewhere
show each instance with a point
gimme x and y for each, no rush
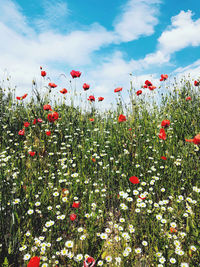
(31, 153)
(86, 86)
(26, 124)
(18, 98)
(63, 91)
(134, 180)
(35, 121)
(47, 107)
(148, 83)
(118, 89)
(93, 159)
(75, 74)
(121, 118)
(21, 132)
(173, 230)
(162, 134)
(73, 217)
(130, 129)
(91, 98)
(34, 262)
(165, 123)
(52, 85)
(152, 87)
(100, 98)
(163, 77)
(196, 83)
(91, 119)
(52, 116)
(145, 86)
(43, 73)
(139, 92)
(164, 158)
(24, 96)
(39, 120)
(89, 262)
(48, 133)
(76, 205)
(40, 67)
(195, 140)
(188, 98)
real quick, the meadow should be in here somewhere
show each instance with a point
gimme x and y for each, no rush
(100, 188)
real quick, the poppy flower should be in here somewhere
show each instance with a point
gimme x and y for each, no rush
(34, 262)
(47, 107)
(162, 134)
(26, 124)
(52, 116)
(100, 98)
(118, 89)
(145, 86)
(35, 121)
(173, 230)
(52, 85)
(139, 92)
(75, 74)
(63, 91)
(73, 217)
(188, 98)
(164, 158)
(39, 120)
(195, 140)
(163, 77)
(18, 98)
(48, 133)
(121, 118)
(165, 123)
(152, 87)
(24, 96)
(76, 205)
(86, 86)
(89, 262)
(134, 180)
(21, 132)
(91, 119)
(130, 129)
(91, 98)
(31, 153)
(196, 83)
(93, 159)
(43, 73)
(148, 83)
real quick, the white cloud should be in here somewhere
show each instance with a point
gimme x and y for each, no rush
(192, 70)
(138, 18)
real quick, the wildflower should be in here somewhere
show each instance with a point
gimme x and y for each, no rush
(162, 134)
(47, 107)
(43, 73)
(108, 258)
(91, 98)
(195, 140)
(188, 98)
(148, 83)
(24, 96)
(26, 124)
(152, 87)
(138, 250)
(48, 133)
(75, 74)
(121, 118)
(89, 262)
(76, 205)
(91, 119)
(35, 121)
(31, 153)
(52, 85)
(100, 98)
(34, 262)
(39, 120)
(196, 83)
(63, 91)
(86, 86)
(165, 123)
(118, 89)
(172, 260)
(21, 132)
(173, 230)
(134, 180)
(139, 92)
(163, 77)
(164, 158)
(52, 116)
(73, 217)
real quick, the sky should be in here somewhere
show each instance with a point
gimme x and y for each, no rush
(105, 40)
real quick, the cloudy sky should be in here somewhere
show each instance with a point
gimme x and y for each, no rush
(105, 40)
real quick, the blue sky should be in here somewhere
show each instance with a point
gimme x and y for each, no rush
(105, 40)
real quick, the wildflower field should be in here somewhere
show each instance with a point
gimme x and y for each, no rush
(85, 187)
